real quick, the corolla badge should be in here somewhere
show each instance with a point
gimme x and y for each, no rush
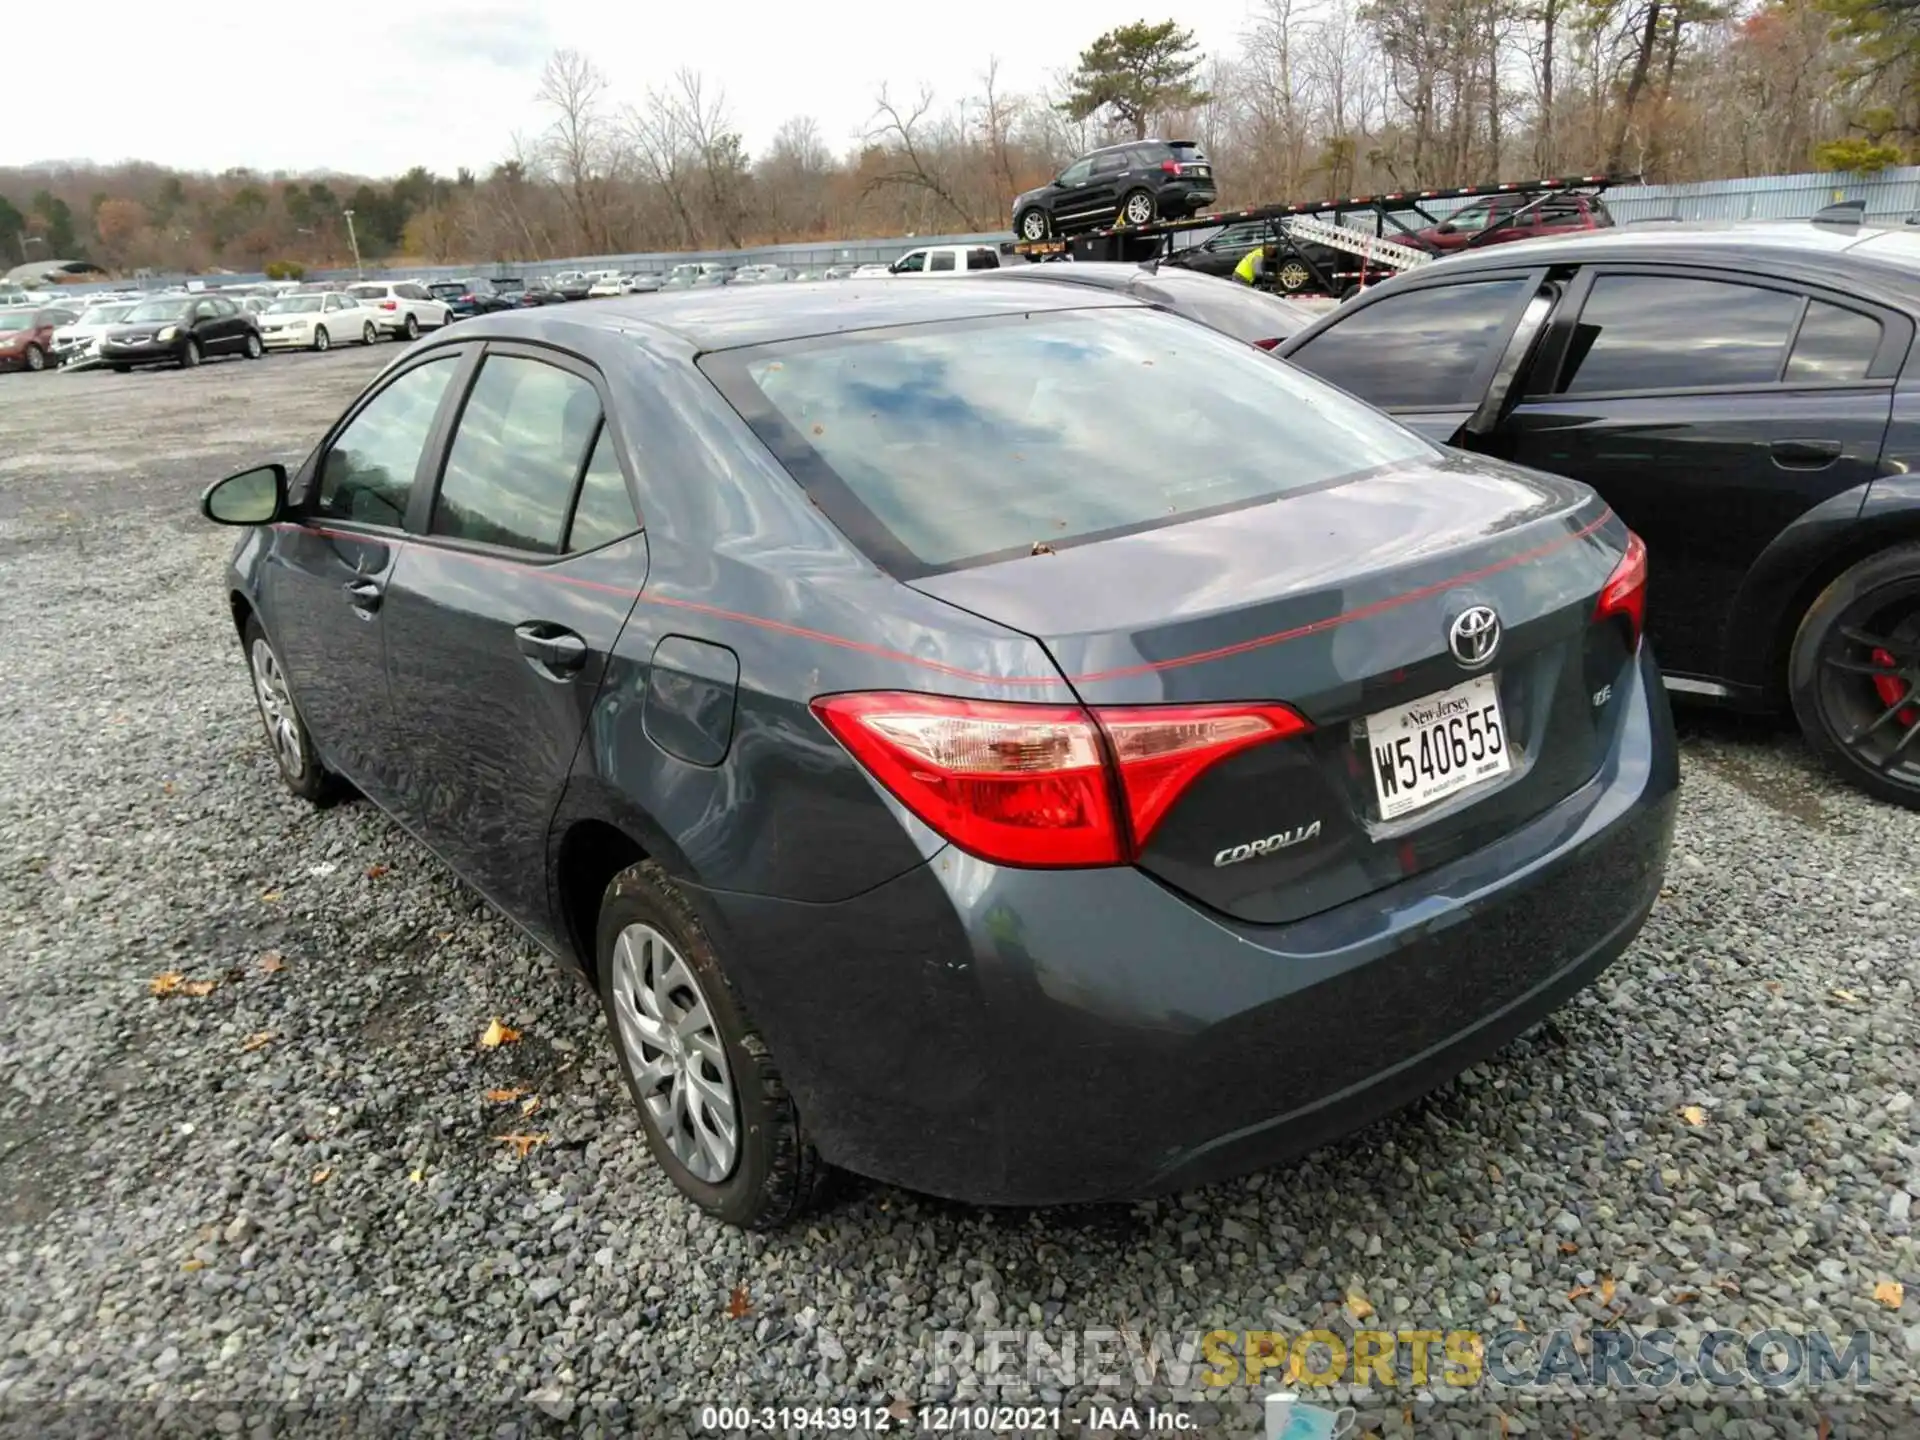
(1272, 845)
(1474, 635)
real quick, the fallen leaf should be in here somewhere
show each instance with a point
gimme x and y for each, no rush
(1890, 1293)
(1774, 987)
(273, 961)
(193, 1264)
(496, 1035)
(1579, 1292)
(1845, 995)
(165, 984)
(1358, 1305)
(417, 1176)
(1493, 1173)
(1567, 1247)
(198, 989)
(259, 1040)
(167, 789)
(528, 1106)
(738, 1306)
(323, 1174)
(1685, 1297)
(521, 1143)
(1606, 1289)
(1694, 1115)
(272, 897)
(500, 1097)
(374, 872)
(901, 1410)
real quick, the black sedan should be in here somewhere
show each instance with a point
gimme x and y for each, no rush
(472, 296)
(1735, 393)
(997, 738)
(1225, 305)
(181, 330)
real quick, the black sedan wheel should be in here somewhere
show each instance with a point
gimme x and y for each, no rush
(190, 356)
(287, 737)
(1855, 675)
(715, 1110)
(254, 348)
(1292, 276)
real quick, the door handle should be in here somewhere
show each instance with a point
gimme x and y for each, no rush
(364, 594)
(549, 645)
(1806, 454)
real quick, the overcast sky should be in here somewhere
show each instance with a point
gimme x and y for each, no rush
(386, 84)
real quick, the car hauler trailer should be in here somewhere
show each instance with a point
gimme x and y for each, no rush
(1334, 247)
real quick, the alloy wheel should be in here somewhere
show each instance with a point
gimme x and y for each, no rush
(1033, 225)
(1139, 208)
(678, 1059)
(36, 358)
(322, 340)
(276, 709)
(1869, 684)
(1293, 275)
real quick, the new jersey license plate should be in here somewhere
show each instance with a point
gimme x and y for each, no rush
(1436, 746)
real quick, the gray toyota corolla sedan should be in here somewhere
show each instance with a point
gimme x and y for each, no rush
(1000, 739)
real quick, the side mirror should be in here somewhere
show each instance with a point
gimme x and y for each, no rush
(253, 497)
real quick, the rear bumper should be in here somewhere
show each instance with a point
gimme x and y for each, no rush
(1026, 1037)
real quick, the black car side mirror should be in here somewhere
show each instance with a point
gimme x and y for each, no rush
(253, 497)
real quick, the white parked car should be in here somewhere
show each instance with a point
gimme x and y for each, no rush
(405, 306)
(79, 343)
(944, 260)
(871, 272)
(319, 322)
(608, 285)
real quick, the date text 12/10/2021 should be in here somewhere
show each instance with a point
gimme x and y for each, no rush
(1036, 1420)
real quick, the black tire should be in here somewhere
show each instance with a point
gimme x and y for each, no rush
(304, 776)
(369, 335)
(36, 358)
(321, 340)
(1033, 223)
(123, 369)
(1854, 675)
(253, 347)
(776, 1174)
(190, 355)
(412, 327)
(1292, 276)
(1136, 208)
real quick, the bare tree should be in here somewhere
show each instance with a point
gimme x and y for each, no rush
(911, 156)
(577, 143)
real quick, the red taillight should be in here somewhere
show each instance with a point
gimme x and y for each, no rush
(1172, 167)
(389, 304)
(1268, 344)
(1035, 785)
(1625, 593)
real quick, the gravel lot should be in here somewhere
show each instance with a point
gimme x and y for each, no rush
(289, 1189)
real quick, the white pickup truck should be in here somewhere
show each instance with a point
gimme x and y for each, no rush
(947, 260)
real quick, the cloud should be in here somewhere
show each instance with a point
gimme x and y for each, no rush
(508, 39)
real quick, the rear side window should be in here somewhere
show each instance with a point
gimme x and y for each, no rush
(519, 448)
(935, 446)
(604, 512)
(940, 260)
(1833, 346)
(1421, 348)
(368, 473)
(983, 257)
(1674, 332)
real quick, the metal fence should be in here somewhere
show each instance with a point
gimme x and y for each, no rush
(1890, 195)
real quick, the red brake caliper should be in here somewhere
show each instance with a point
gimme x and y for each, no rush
(1892, 689)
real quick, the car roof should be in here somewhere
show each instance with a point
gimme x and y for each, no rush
(723, 318)
(1893, 254)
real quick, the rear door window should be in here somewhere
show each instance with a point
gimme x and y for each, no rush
(1422, 348)
(940, 260)
(983, 257)
(1834, 346)
(604, 512)
(516, 455)
(935, 446)
(1677, 332)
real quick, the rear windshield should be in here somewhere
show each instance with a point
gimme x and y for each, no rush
(368, 292)
(1185, 150)
(939, 446)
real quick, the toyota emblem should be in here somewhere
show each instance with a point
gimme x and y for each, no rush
(1474, 636)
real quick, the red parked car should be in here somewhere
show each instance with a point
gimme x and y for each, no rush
(26, 337)
(1500, 218)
